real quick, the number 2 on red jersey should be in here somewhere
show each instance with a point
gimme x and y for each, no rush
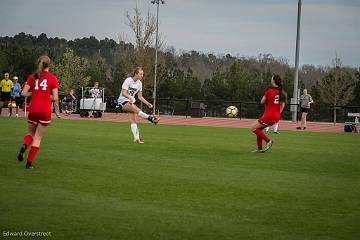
(276, 100)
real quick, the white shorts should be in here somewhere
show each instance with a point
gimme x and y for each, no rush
(123, 100)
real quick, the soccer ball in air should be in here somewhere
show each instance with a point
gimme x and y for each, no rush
(231, 111)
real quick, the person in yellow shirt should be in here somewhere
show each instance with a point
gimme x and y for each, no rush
(6, 85)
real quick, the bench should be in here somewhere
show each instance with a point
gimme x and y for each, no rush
(353, 124)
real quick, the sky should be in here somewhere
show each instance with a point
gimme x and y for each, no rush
(246, 28)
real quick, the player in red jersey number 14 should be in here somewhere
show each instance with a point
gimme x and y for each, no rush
(44, 89)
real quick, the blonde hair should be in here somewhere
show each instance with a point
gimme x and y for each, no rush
(42, 63)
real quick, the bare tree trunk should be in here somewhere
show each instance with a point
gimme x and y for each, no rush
(334, 114)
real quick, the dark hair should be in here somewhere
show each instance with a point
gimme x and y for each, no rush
(137, 70)
(278, 81)
(42, 63)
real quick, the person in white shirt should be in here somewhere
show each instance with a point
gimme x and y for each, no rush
(131, 87)
(95, 91)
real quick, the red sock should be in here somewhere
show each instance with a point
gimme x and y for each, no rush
(32, 154)
(28, 140)
(259, 142)
(262, 135)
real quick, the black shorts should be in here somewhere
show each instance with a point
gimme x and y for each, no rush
(5, 96)
(18, 101)
(305, 110)
(124, 103)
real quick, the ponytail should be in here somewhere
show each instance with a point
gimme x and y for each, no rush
(42, 63)
(278, 82)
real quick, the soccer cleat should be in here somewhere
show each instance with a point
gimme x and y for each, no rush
(20, 156)
(29, 166)
(154, 119)
(276, 132)
(304, 128)
(258, 151)
(138, 141)
(299, 128)
(268, 145)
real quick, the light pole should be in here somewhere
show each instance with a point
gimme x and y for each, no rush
(157, 2)
(296, 76)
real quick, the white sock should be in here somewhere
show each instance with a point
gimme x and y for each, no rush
(137, 133)
(134, 130)
(143, 115)
(276, 127)
(267, 129)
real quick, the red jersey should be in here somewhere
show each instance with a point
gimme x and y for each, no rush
(272, 103)
(41, 90)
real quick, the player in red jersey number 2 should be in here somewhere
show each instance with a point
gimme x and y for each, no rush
(274, 100)
(44, 89)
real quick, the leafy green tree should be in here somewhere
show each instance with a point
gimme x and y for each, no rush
(119, 75)
(232, 84)
(237, 80)
(356, 100)
(215, 87)
(96, 70)
(71, 71)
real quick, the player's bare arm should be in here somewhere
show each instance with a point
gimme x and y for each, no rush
(263, 100)
(25, 92)
(282, 107)
(55, 95)
(142, 99)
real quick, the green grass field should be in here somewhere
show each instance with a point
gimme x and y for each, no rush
(91, 182)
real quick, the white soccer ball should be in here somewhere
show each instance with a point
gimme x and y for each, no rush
(231, 111)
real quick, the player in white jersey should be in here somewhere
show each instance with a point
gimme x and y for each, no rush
(131, 87)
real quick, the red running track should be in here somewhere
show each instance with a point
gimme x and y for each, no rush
(207, 121)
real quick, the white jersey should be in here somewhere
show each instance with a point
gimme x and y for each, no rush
(132, 87)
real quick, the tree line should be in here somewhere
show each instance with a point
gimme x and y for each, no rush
(187, 74)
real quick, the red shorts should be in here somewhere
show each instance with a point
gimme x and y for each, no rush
(268, 120)
(42, 118)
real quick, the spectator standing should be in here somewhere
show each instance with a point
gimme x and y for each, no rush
(305, 105)
(6, 85)
(15, 94)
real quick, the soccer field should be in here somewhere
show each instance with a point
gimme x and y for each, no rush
(91, 181)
